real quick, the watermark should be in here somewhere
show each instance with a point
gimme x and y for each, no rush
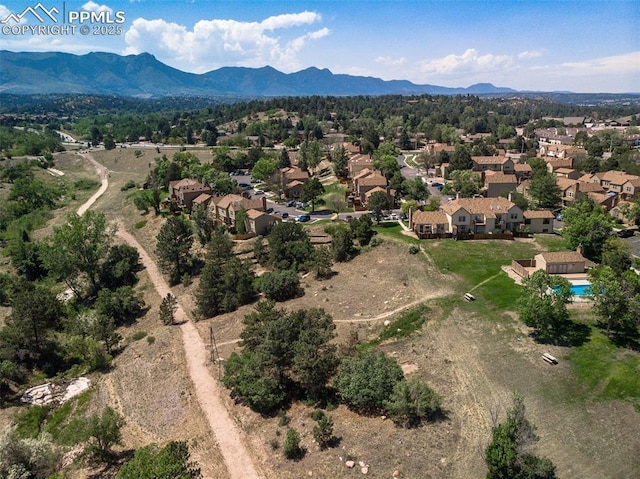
(58, 20)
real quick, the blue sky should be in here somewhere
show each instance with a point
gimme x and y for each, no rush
(582, 46)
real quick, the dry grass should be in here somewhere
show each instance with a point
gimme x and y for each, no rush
(473, 359)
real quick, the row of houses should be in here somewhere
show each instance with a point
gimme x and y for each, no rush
(464, 216)
(187, 193)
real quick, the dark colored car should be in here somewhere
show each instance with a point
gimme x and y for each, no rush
(625, 233)
(244, 186)
(269, 210)
(303, 218)
(284, 215)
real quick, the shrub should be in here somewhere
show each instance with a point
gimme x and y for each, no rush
(151, 339)
(186, 279)
(366, 380)
(291, 446)
(137, 336)
(411, 402)
(376, 241)
(323, 431)
(280, 285)
(140, 224)
(414, 249)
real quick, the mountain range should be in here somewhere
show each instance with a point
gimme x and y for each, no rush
(144, 76)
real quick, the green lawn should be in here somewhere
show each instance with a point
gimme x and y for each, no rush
(393, 230)
(609, 371)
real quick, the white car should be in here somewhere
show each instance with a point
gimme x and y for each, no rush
(258, 192)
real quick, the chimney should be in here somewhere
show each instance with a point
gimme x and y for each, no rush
(264, 203)
(510, 197)
(457, 195)
(411, 217)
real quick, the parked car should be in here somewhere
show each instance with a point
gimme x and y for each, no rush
(348, 218)
(393, 216)
(258, 192)
(253, 180)
(301, 204)
(291, 203)
(269, 210)
(244, 186)
(284, 215)
(303, 218)
(625, 233)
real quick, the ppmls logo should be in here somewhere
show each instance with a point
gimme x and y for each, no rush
(34, 11)
(54, 21)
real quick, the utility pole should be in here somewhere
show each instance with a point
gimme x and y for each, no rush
(215, 356)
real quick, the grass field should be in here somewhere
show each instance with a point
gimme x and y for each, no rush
(475, 354)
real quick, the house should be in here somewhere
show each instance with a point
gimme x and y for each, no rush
(614, 181)
(358, 163)
(225, 208)
(367, 180)
(292, 180)
(562, 262)
(567, 173)
(497, 183)
(522, 171)
(631, 188)
(538, 221)
(183, 192)
(492, 163)
(553, 165)
(570, 189)
(559, 262)
(482, 215)
(428, 222)
(203, 200)
(259, 222)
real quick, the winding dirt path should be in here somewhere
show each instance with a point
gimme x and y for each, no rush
(228, 436)
(236, 456)
(104, 178)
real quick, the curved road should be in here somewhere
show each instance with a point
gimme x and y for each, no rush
(236, 456)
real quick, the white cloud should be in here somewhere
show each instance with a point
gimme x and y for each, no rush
(390, 61)
(469, 61)
(94, 7)
(529, 54)
(215, 43)
(618, 64)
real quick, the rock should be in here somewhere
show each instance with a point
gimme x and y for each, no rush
(350, 464)
(361, 464)
(396, 473)
(364, 470)
(387, 322)
(310, 473)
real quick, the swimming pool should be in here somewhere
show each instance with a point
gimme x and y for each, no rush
(581, 289)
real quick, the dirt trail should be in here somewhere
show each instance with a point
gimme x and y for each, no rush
(104, 178)
(236, 457)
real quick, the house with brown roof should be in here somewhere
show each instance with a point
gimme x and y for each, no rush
(292, 179)
(183, 192)
(567, 173)
(492, 163)
(538, 221)
(357, 163)
(365, 181)
(259, 222)
(427, 223)
(558, 262)
(553, 165)
(631, 188)
(482, 215)
(613, 180)
(522, 171)
(496, 183)
(224, 209)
